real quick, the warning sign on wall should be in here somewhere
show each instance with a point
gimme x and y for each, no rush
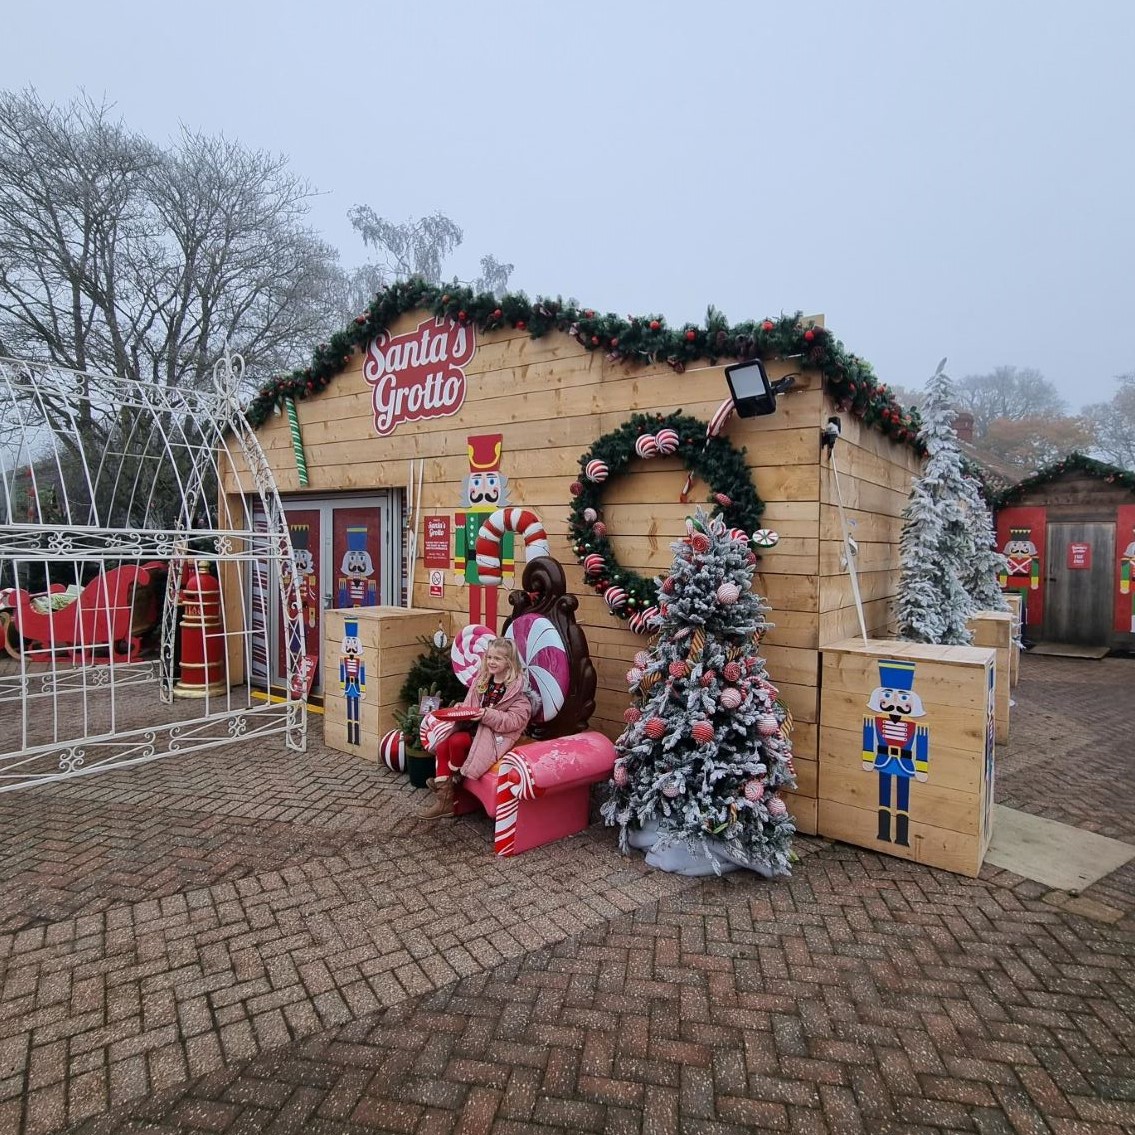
(437, 583)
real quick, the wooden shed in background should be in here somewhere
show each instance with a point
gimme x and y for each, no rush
(1068, 533)
(550, 392)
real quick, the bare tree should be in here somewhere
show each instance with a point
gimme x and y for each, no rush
(1114, 423)
(412, 248)
(118, 255)
(1008, 392)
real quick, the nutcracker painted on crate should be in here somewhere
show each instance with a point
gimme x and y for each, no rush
(895, 747)
(483, 491)
(352, 677)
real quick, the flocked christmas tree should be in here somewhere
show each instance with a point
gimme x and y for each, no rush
(949, 564)
(705, 753)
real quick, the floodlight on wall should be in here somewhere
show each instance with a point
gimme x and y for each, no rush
(752, 393)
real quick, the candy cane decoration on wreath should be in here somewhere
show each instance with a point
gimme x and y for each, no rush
(514, 783)
(519, 520)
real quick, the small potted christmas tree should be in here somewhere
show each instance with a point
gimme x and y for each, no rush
(705, 754)
(430, 683)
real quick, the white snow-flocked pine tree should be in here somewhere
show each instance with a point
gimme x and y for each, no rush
(949, 561)
(705, 753)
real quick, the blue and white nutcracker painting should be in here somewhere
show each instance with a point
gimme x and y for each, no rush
(357, 585)
(352, 677)
(895, 746)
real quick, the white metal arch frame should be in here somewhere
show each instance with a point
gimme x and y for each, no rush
(100, 474)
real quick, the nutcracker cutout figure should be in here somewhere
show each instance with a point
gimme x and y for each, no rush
(1127, 577)
(1023, 569)
(895, 747)
(352, 677)
(307, 582)
(484, 490)
(357, 585)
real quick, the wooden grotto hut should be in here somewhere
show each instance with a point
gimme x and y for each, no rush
(504, 403)
(1068, 533)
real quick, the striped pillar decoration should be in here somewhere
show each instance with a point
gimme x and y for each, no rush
(297, 440)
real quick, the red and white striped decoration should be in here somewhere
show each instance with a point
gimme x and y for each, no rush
(524, 523)
(392, 750)
(667, 440)
(596, 470)
(616, 597)
(646, 446)
(593, 564)
(720, 417)
(514, 783)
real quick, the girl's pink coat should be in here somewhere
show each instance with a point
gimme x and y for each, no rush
(501, 727)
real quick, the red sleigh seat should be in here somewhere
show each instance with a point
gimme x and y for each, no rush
(541, 790)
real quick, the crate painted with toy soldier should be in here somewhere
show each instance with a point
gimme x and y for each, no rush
(906, 761)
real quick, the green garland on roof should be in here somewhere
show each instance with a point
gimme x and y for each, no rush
(635, 339)
(1074, 462)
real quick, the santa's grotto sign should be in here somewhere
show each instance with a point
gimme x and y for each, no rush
(419, 374)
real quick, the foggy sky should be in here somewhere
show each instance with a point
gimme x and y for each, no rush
(937, 180)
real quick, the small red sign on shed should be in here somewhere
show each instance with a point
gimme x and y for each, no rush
(1079, 555)
(437, 541)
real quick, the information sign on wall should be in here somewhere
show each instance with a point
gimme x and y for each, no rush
(437, 541)
(1079, 555)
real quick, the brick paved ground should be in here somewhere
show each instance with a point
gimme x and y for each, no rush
(270, 945)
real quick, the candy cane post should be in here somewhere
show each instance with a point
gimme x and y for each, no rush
(514, 783)
(525, 524)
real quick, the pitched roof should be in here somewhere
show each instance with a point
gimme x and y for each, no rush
(1074, 462)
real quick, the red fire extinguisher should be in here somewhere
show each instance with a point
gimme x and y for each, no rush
(202, 664)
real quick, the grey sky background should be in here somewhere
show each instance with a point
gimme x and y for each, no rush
(950, 179)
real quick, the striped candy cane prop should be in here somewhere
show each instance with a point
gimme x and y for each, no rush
(514, 783)
(297, 440)
(522, 521)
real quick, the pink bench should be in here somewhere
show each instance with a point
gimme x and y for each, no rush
(541, 790)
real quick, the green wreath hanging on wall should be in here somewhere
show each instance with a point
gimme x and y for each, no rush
(712, 458)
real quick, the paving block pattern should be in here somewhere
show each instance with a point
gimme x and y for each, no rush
(264, 941)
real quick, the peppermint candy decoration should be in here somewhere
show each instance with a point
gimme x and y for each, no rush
(655, 728)
(679, 669)
(738, 535)
(392, 750)
(616, 597)
(642, 659)
(728, 593)
(632, 714)
(646, 446)
(700, 543)
(667, 440)
(766, 538)
(777, 807)
(754, 791)
(731, 697)
(596, 470)
(767, 725)
(593, 564)
(590, 515)
(702, 732)
(467, 651)
(634, 676)
(619, 776)
(708, 678)
(731, 671)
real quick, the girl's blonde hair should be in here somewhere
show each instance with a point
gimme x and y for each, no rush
(506, 647)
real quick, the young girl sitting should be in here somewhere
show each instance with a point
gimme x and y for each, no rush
(500, 694)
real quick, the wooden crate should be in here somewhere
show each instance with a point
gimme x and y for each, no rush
(390, 641)
(995, 629)
(949, 820)
(1015, 601)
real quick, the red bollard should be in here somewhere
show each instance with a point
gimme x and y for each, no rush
(202, 663)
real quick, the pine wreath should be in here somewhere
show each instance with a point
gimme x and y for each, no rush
(714, 460)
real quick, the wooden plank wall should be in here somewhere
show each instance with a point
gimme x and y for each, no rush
(551, 399)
